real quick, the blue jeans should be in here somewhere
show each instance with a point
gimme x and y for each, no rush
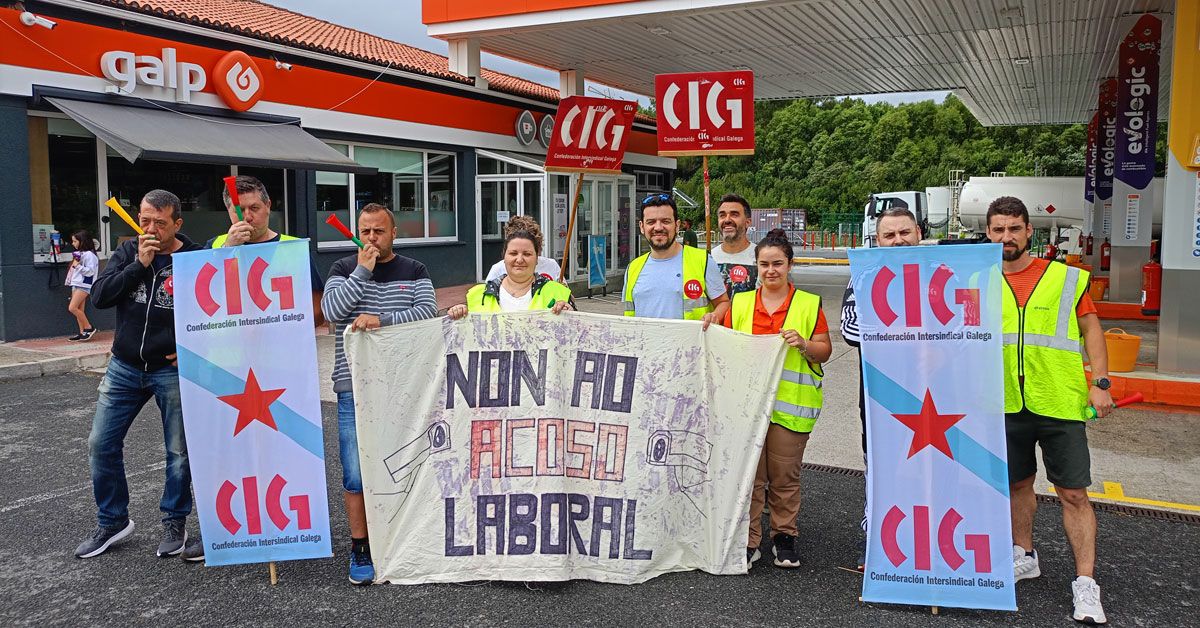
(348, 443)
(123, 392)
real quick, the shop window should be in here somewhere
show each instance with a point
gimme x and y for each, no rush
(198, 187)
(62, 168)
(442, 221)
(418, 187)
(333, 199)
(488, 165)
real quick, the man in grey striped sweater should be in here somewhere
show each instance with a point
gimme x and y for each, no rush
(375, 288)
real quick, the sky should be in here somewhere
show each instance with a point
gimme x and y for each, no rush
(400, 20)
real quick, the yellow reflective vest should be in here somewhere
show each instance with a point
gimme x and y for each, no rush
(695, 263)
(219, 241)
(798, 398)
(485, 297)
(1043, 358)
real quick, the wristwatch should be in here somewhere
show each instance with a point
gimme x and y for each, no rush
(1102, 383)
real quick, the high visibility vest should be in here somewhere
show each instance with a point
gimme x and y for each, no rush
(1043, 358)
(485, 297)
(219, 241)
(798, 398)
(695, 263)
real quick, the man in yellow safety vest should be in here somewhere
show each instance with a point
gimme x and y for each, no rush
(672, 280)
(1047, 313)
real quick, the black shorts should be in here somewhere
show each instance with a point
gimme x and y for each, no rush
(1064, 449)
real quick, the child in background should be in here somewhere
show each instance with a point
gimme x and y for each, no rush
(80, 275)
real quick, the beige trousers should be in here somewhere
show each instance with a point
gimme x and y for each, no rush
(777, 482)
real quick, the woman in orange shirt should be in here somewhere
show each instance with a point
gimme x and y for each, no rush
(777, 307)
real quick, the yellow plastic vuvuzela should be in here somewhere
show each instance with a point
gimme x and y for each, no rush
(120, 211)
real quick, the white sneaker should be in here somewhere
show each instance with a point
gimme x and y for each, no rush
(1025, 566)
(1087, 601)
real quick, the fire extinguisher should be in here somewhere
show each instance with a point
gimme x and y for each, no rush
(1151, 288)
(1088, 245)
(1105, 255)
(1051, 251)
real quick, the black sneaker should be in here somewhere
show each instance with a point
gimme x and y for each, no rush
(88, 333)
(173, 539)
(193, 550)
(103, 538)
(752, 556)
(77, 337)
(784, 546)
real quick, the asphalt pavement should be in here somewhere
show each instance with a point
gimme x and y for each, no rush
(1147, 565)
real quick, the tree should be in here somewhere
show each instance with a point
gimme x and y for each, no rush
(828, 155)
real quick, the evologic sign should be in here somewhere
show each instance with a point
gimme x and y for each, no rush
(705, 113)
(238, 80)
(590, 135)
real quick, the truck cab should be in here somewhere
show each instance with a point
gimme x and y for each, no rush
(879, 203)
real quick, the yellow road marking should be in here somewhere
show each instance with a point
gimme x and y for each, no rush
(1113, 491)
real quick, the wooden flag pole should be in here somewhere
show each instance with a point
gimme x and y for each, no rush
(562, 270)
(707, 212)
(274, 574)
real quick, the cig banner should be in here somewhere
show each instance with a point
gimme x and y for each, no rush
(251, 405)
(1137, 121)
(939, 532)
(529, 446)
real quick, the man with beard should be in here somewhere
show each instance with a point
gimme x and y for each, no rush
(896, 226)
(735, 255)
(672, 280)
(1047, 313)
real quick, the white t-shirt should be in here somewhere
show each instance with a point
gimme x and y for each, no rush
(739, 270)
(545, 266)
(509, 303)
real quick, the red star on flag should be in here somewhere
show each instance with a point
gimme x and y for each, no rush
(929, 427)
(253, 404)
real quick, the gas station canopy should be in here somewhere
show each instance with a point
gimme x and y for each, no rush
(1010, 61)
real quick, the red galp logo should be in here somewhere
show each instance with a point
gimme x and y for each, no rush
(273, 501)
(281, 286)
(935, 292)
(977, 544)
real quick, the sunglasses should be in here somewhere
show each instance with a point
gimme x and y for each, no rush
(655, 199)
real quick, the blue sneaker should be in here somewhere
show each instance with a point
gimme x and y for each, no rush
(362, 570)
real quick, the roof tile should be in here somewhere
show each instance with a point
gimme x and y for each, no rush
(264, 21)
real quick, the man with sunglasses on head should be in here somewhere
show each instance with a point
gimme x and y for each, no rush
(672, 280)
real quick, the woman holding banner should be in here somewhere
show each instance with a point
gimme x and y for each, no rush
(521, 288)
(777, 307)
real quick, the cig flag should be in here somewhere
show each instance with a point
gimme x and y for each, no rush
(939, 531)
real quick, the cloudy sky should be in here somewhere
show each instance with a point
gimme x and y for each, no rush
(400, 20)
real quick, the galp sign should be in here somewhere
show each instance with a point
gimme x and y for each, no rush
(238, 80)
(705, 113)
(590, 135)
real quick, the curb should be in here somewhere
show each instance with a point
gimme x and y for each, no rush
(52, 366)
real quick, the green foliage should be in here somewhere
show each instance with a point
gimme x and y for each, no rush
(828, 156)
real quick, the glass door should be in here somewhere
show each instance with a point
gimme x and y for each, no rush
(627, 232)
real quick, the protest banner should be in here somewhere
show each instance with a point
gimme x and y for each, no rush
(529, 446)
(939, 532)
(251, 405)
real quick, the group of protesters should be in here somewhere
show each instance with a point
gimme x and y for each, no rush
(742, 285)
